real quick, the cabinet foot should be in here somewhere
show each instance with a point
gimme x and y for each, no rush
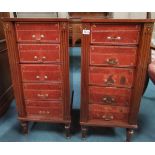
(24, 126)
(67, 130)
(129, 133)
(84, 132)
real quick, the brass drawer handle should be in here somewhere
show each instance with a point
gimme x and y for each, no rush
(114, 38)
(112, 61)
(109, 100)
(108, 117)
(42, 95)
(109, 80)
(43, 58)
(37, 77)
(44, 112)
(35, 58)
(42, 36)
(46, 77)
(33, 36)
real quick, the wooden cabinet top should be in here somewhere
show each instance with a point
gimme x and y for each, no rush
(109, 20)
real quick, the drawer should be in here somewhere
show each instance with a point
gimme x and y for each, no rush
(115, 34)
(41, 73)
(38, 32)
(53, 111)
(36, 26)
(37, 91)
(109, 96)
(108, 113)
(108, 76)
(38, 36)
(113, 56)
(39, 53)
(37, 103)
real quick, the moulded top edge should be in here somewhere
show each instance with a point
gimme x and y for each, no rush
(97, 20)
(35, 19)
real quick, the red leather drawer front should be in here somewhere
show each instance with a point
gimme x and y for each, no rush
(109, 96)
(39, 53)
(41, 73)
(108, 113)
(113, 56)
(53, 111)
(41, 91)
(36, 26)
(107, 76)
(39, 36)
(36, 103)
(115, 34)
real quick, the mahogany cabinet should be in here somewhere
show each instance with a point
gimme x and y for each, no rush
(6, 92)
(39, 61)
(115, 57)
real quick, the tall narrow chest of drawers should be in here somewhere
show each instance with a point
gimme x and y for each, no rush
(39, 61)
(115, 56)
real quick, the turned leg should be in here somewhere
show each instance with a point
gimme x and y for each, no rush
(67, 130)
(24, 126)
(84, 132)
(129, 133)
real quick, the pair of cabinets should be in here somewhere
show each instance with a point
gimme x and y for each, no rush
(115, 54)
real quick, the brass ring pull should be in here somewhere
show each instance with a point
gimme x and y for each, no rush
(112, 61)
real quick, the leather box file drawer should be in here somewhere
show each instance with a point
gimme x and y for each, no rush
(113, 56)
(42, 91)
(115, 34)
(108, 113)
(38, 32)
(35, 26)
(109, 96)
(39, 53)
(107, 76)
(41, 73)
(53, 111)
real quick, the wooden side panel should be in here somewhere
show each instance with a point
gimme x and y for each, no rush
(84, 75)
(142, 66)
(14, 66)
(64, 43)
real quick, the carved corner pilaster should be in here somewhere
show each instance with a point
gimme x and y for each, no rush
(148, 28)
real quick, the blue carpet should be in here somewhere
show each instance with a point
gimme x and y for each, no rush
(48, 132)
